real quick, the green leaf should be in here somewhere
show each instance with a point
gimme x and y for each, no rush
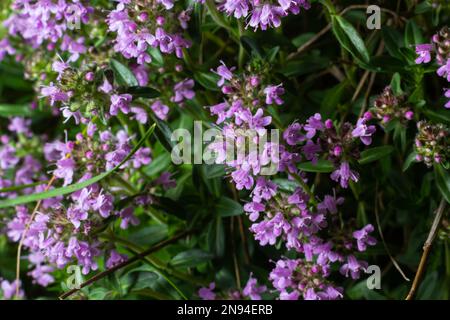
(321, 166)
(158, 164)
(163, 133)
(77, 186)
(98, 293)
(443, 181)
(440, 115)
(214, 171)
(207, 80)
(375, 154)
(252, 46)
(393, 41)
(272, 54)
(227, 207)
(302, 39)
(332, 98)
(150, 235)
(15, 110)
(216, 237)
(157, 57)
(409, 160)
(396, 84)
(286, 185)
(22, 186)
(123, 75)
(190, 258)
(142, 92)
(218, 17)
(413, 35)
(350, 38)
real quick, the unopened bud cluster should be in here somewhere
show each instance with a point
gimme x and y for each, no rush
(432, 143)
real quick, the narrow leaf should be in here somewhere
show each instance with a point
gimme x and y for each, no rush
(375, 154)
(124, 76)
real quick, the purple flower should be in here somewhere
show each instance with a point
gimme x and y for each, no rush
(242, 179)
(423, 50)
(120, 102)
(165, 179)
(313, 124)
(207, 293)
(140, 114)
(363, 131)
(267, 231)
(311, 150)
(103, 203)
(41, 275)
(9, 289)
(141, 157)
(19, 125)
(353, 267)
(252, 290)
(264, 189)
(444, 70)
(363, 239)
(128, 217)
(447, 95)
(115, 258)
(237, 8)
(76, 215)
(65, 169)
(273, 94)
(54, 93)
(265, 16)
(225, 73)
(330, 203)
(183, 90)
(299, 198)
(6, 48)
(292, 134)
(254, 208)
(160, 109)
(344, 174)
(106, 87)
(8, 158)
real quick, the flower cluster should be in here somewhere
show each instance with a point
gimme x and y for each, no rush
(45, 23)
(143, 24)
(441, 47)
(244, 119)
(339, 144)
(251, 291)
(262, 14)
(8, 290)
(65, 229)
(293, 217)
(432, 143)
(387, 107)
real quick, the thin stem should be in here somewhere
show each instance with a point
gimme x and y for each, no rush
(132, 260)
(24, 234)
(380, 231)
(427, 249)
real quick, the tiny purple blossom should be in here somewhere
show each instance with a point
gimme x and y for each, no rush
(423, 50)
(344, 174)
(363, 131)
(120, 102)
(207, 293)
(273, 94)
(363, 239)
(183, 91)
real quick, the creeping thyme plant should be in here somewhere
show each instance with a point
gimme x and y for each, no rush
(350, 113)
